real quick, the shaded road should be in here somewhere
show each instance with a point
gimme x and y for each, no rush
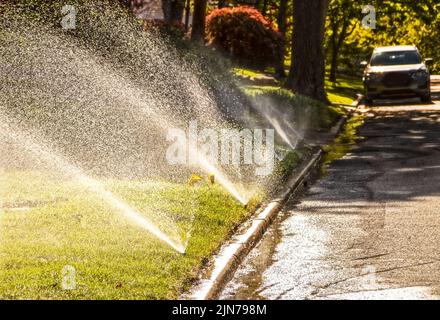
(368, 229)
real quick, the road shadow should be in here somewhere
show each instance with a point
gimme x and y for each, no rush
(403, 146)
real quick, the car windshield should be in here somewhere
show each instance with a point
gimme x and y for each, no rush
(394, 58)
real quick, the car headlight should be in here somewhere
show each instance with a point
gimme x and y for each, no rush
(420, 75)
(374, 76)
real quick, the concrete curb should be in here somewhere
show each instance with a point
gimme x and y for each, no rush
(354, 106)
(232, 254)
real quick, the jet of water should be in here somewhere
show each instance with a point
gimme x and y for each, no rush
(281, 121)
(106, 114)
(31, 144)
(130, 95)
(286, 130)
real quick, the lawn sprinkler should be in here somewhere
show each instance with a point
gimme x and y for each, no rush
(211, 178)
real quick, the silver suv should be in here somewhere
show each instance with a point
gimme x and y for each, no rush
(397, 71)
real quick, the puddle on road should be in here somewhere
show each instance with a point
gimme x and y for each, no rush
(248, 279)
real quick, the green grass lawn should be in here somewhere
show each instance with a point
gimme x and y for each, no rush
(343, 92)
(47, 224)
(319, 116)
(246, 72)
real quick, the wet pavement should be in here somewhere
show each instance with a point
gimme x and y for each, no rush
(369, 228)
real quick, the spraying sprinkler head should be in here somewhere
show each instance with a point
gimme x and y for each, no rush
(211, 178)
(181, 250)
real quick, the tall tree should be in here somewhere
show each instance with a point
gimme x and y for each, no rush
(264, 7)
(198, 26)
(341, 15)
(307, 72)
(282, 28)
(187, 13)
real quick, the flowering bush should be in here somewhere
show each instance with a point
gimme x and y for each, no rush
(245, 34)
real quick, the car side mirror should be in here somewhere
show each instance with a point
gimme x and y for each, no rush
(429, 61)
(363, 64)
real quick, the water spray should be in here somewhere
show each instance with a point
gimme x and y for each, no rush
(52, 157)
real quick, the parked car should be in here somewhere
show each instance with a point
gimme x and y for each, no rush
(396, 71)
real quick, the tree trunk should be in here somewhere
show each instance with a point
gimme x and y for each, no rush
(198, 26)
(307, 72)
(173, 10)
(264, 9)
(187, 14)
(334, 64)
(333, 46)
(282, 15)
(337, 42)
(281, 20)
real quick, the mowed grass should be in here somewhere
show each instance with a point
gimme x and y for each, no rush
(341, 92)
(318, 116)
(344, 91)
(47, 224)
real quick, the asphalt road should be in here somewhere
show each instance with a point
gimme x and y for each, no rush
(369, 228)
